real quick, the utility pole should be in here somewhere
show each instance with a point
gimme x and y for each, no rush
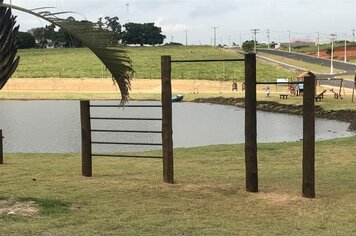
(345, 52)
(332, 54)
(186, 38)
(254, 31)
(215, 35)
(318, 44)
(172, 39)
(289, 47)
(127, 12)
(240, 41)
(353, 35)
(268, 38)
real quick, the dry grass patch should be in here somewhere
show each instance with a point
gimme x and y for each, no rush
(19, 208)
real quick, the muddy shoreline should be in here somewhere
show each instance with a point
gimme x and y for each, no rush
(269, 106)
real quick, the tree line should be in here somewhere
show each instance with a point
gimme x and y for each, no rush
(129, 33)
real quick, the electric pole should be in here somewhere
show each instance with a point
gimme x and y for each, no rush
(332, 54)
(345, 52)
(289, 47)
(127, 12)
(186, 38)
(318, 44)
(215, 35)
(172, 39)
(254, 31)
(353, 35)
(268, 38)
(240, 41)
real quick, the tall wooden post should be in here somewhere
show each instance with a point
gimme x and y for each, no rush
(1, 149)
(250, 124)
(167, 130)
(308, 188)
(86, 138)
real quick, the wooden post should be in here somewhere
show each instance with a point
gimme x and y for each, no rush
(167, 130)
(86, 138)
(1, 149)
(250, 124)
(308, 188)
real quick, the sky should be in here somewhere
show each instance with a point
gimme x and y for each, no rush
(233, 19)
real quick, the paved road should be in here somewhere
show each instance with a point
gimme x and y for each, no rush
(350, 69)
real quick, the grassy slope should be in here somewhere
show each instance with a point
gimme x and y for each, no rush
(81, 62)
(128, 196)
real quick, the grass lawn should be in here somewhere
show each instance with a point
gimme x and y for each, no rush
(128, 197)
(80, 62)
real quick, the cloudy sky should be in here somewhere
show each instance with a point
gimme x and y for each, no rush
(234, 19)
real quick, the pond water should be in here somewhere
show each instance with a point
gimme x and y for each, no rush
(54, 126)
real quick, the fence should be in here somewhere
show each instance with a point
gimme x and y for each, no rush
(166, 131)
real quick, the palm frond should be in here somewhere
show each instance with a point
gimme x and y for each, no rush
(101, 42)
(8, 48)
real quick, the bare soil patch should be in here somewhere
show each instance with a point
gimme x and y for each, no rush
(339, 53)
(13, 207)
(107, 85)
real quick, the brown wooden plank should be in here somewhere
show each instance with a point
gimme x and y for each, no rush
(250, 124)
(167, 131)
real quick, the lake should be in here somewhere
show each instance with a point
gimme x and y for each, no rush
(54, 126)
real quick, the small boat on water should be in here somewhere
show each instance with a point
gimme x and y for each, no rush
(177, 98)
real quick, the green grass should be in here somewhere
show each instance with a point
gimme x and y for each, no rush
(80, 62)
(127, 197)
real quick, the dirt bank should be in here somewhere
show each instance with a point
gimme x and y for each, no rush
(341, 115)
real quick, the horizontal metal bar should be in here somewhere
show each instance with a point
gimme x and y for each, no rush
(129, 156)
(119, 143)
(280, 82)
(207, 60)
(125, 106)
(124, 118)
(126, 131)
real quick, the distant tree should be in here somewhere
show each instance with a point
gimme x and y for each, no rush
(69, 40)
(39, 35)
(328, 51)
(100, 22)
(146, 33)
(173, 44)
(25, 40)
(248, 46)
(49, 32)
(113, 24)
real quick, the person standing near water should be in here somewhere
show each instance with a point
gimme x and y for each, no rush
(267, 91)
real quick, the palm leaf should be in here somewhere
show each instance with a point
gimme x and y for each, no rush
(8, 48)
(101, 42)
